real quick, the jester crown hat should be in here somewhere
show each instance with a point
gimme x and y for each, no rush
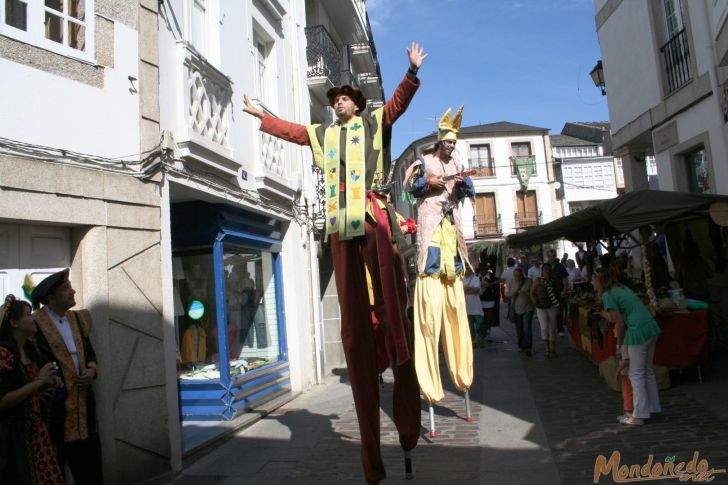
(448, 128)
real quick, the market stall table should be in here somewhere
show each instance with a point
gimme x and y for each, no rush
(683, 342)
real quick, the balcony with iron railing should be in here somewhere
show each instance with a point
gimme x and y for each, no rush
(485, 226)
(324, 61)
(525, 220)
(483, 167)
(676, 59)
(370, 85)
(362, 56)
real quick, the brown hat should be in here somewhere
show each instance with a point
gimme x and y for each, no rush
(352, 91)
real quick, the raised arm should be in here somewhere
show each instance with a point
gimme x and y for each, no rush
(277, 127)
(400, 100)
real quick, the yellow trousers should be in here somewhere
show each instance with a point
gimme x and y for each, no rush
(440, 308)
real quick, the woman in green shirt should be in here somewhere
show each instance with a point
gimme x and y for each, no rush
(637, 330)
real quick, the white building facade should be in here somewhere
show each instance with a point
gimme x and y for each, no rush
(191, 236)
(588, 175)
(501, 206)
(667, 98)
(79, 188)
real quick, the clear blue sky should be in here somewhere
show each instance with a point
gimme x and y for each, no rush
(523, 61)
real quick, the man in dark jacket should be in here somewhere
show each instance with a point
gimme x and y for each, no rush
(63, 337)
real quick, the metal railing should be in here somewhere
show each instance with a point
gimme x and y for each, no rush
(524, 220)
(324, 58)
(483, 167)
(487, 225)
(676, 56)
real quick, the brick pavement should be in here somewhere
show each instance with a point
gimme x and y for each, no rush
(579, 411)
(536, 422)
(454, 433)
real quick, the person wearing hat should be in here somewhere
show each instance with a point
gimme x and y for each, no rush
(437, 182)
(368, 268)
(63, 337)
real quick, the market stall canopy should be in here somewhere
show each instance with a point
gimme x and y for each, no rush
(618, 216)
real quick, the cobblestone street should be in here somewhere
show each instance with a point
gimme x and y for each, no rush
(536, 421)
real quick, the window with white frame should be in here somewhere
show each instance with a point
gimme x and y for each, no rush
(202, 29)
(577, 152)
(261, 56)
(521, 156)
(589, 176)
(620, 172)
(62, 26)
(198, 26)
(651, 163)
(264, 68)
(673, 17)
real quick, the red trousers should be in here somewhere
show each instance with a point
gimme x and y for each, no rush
(363, 346)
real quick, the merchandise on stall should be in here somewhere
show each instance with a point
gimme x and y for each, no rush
(680, 235)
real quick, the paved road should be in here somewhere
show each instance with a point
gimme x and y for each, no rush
(536, 421)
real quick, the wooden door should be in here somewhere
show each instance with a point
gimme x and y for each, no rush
(35, 251)
(527, 208)
(486, 216)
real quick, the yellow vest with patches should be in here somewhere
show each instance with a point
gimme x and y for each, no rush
(348, 222)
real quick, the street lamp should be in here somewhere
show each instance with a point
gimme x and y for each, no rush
(597, 75)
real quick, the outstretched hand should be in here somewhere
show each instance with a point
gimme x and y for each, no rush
(416, 55)
(250, 108)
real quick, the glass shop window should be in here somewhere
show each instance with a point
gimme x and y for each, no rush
(195, 315)
(698, 172)
(251, 307)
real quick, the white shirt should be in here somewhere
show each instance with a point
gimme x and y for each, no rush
(534, 272)
(63, 325)
(507, 275)
(472, 300)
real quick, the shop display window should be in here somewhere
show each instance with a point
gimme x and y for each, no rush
(251, 309)
(248, 312)
(195, 314)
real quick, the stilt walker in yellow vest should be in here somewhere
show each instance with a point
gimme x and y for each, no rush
(437, 181)
(368, 268)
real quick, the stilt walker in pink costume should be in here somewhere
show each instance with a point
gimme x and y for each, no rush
(437, 181)
(368, 268)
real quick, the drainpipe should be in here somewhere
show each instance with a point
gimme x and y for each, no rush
(314, 302)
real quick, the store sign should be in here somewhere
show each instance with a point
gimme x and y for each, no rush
(665, 138)
(196, 310)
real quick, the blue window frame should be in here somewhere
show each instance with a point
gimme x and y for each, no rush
(245, 359)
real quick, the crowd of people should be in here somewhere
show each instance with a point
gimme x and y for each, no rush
(47, 408)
